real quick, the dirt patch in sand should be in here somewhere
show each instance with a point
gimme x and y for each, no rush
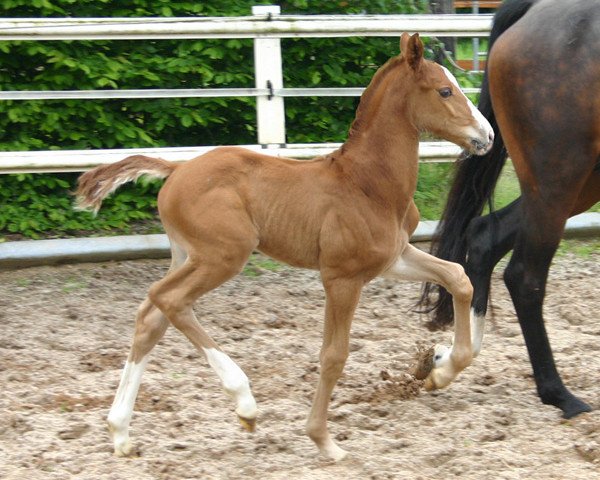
(66, 333)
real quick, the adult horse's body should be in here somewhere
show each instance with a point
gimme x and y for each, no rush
(544, 87)
(348, 214)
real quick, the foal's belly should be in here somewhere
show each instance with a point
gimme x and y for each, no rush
(291, 251)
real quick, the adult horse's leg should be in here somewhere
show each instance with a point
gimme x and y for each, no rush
(150, 326)
(342, 296)
(489, 238)
(547, 202)
(492, 236)
(550, 133)
(419, 266)
(525, 277)
(590, 193)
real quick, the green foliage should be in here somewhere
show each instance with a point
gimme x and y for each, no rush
(433, 184)
(259, 264)
(585, 248)
(35, 205)
(306, 64)
(81, 124)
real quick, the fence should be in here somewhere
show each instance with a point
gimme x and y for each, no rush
(266, 26)
(474, 5)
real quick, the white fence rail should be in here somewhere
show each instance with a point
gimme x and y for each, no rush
(53, 161)
(266, 22)
(266, 27)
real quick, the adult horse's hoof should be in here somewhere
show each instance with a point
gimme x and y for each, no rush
(573, 407)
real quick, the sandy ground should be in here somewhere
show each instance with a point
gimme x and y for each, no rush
(66, 333)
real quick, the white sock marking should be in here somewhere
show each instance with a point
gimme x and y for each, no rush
(121, 410)
(477, 330)
(234, 380)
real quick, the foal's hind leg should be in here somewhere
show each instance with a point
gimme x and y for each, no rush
(150, 326)
(149, 329)
(417, 265)
(175, 294)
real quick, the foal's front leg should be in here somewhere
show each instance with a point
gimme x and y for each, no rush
(342, 297)
(417, 265)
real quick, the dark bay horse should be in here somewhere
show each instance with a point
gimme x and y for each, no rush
(348, 214)
(541, 93)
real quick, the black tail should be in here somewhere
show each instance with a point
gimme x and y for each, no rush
(473, 186)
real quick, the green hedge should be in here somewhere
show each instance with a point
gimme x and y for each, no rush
(40, 205)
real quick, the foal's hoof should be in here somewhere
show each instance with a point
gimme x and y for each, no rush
(123, 448)
(249, 424)
(339, 455)
(121, 443)
(442, 372)
(429, 384)
(331, 451)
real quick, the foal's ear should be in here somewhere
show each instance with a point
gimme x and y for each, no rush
(412, 49)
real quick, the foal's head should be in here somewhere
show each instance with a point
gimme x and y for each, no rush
(436, 103)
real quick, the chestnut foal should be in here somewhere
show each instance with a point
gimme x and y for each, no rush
(348, 214)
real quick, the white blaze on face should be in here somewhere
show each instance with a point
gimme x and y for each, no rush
(484, 126)
(234, 380)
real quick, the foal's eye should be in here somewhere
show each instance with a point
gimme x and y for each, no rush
(445, 92)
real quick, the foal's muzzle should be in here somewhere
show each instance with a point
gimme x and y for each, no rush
(482, 145)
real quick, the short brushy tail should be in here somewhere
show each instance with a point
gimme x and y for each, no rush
(473, 186)
(97, 184)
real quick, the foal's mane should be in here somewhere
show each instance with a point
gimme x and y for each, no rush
(372, 95)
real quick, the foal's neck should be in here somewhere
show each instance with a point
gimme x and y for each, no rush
(381, 152)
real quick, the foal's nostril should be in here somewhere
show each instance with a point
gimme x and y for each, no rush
(483, 143)
(480, 146)
(477, 145)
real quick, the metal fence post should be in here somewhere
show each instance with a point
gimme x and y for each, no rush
(476, 40)
(270, 110)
